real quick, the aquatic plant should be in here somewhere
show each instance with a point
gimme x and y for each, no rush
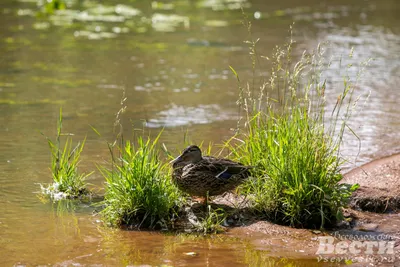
(204, 220)
(211, 222)
(292, 141)
(68, 182)
(50, 6)
(139, 190)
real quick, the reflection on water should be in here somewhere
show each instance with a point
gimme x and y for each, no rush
(181, 116)
(370, 57)
(173, 59)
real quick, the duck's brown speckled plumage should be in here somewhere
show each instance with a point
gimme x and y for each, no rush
(199, 176)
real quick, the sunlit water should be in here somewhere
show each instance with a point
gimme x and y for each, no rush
(173, 62)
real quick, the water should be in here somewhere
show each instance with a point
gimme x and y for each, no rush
(173, 62)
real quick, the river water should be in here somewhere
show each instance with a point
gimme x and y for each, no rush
(172, 59)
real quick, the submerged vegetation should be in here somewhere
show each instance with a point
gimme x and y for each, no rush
(50, 6)
(67, 181)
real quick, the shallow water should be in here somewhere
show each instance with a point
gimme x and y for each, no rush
(173, 61)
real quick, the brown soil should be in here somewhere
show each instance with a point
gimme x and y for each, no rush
(379, 183)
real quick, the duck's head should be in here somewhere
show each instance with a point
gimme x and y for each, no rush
(191, 154)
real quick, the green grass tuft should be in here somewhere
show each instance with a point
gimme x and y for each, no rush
(211, 222)
(286, 137)
(68, 182)
(139, 190)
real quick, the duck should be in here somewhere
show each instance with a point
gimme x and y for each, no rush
(205, 176)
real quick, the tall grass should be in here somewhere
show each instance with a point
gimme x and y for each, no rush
(139, 189)
(68, 182)
(293, 141)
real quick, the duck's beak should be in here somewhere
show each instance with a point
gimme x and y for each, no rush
(175, 160)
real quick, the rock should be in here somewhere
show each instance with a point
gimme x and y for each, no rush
(379, 183)
(368, 227)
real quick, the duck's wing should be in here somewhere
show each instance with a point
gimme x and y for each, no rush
(224, 168)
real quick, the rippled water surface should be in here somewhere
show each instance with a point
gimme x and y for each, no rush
(172, 59)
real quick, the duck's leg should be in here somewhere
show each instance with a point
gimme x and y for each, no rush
(206, 201)
(201, 200)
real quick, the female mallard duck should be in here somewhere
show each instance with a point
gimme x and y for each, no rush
(206, 176)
